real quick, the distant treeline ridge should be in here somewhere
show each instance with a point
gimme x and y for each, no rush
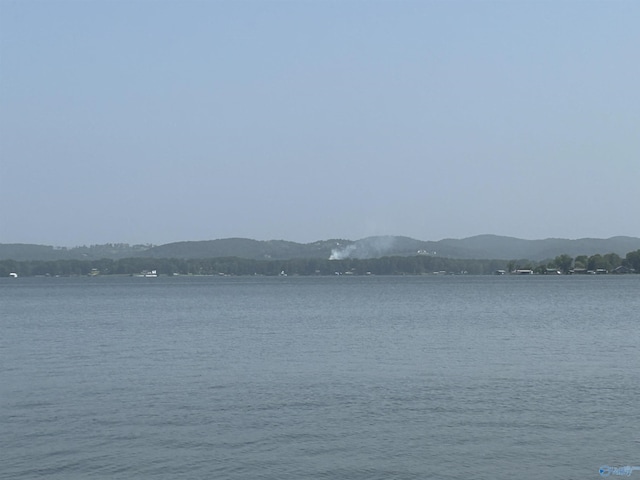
(392, 265)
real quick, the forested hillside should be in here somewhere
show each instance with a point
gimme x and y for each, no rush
(478, 247)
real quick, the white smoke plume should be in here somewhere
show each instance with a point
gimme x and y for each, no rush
(341, 253)
(370, 247)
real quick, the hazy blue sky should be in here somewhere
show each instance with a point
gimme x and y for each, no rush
(152, 122)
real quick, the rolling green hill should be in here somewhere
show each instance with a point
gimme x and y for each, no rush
(478, 247)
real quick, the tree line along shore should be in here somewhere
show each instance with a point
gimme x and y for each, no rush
(393, 265)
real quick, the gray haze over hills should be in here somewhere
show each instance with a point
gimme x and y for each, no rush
(477, 247)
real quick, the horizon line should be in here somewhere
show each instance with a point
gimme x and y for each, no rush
(151, 245)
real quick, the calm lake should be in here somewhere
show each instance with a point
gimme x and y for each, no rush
(433, 377)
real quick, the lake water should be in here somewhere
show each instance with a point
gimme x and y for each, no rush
(435, 377)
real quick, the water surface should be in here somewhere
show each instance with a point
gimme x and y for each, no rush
(447, 377)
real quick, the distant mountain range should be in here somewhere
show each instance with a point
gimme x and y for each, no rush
(478, 247)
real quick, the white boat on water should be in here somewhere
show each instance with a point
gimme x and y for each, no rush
(146, 274)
